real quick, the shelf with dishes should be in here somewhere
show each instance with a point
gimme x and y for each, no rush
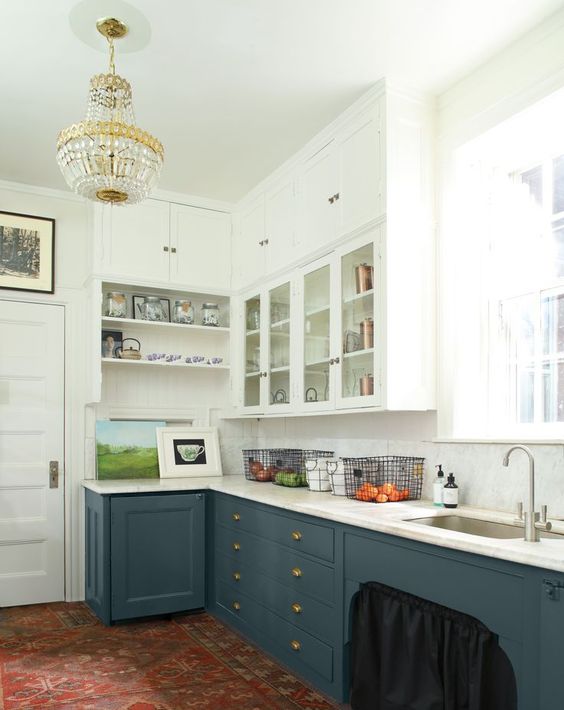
(162, 328)
(179, 364)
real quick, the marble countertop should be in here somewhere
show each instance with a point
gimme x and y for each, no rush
(390, 518)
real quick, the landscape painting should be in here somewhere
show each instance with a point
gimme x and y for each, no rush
(127, 449)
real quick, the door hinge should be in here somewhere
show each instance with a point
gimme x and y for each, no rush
(552, 588)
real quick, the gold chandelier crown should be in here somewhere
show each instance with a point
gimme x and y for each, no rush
(107, 157)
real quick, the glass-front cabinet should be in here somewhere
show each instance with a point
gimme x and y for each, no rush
(267, 350)
(360, 325)
(315, 343)
(252, 353)
(317, 307)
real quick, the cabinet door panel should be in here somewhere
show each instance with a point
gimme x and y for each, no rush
(138, 237)
(360, 167)
(280, 226)
(318, 184)
(157, 554)
(249, 254)
(202, 239)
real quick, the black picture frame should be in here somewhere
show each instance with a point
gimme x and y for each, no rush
(138, 299)
(106, 348)
(27, 252)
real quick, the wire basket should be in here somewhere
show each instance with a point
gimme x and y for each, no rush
(384, 479)
(285, 467)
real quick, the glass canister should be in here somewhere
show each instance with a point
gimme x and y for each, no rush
(152, 309)
(210, 314)
(115, 305)
(183, 312)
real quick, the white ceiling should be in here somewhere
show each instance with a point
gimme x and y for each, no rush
(234, 87)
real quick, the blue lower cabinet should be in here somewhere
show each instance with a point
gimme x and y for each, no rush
(145, 554)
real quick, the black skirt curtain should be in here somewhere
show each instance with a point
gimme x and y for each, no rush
(411, 654)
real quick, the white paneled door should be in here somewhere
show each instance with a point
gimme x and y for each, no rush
(31, 436)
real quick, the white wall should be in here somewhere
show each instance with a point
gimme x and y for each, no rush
(71, 260)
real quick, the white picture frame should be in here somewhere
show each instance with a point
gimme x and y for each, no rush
(188, 452)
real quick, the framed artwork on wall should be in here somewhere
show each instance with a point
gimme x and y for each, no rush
(27, 252)
(127, 449)
(188, 452)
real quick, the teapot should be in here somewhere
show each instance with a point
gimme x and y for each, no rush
(151, 309)
(129, 353)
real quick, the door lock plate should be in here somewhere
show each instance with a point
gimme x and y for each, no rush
(53, 474)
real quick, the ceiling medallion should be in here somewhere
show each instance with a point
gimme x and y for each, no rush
(106, 157)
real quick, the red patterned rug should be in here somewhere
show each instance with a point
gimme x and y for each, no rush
(61, 656)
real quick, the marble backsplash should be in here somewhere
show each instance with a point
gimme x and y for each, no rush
(482, 479)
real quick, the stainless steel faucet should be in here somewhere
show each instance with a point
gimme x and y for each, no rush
(530, 520)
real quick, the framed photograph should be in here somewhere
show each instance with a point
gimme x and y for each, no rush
(137, 302)
(188, 451)
(127, 449)
(111, 340)
(27, 252)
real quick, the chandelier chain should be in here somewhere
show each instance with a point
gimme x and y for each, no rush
(112, 55)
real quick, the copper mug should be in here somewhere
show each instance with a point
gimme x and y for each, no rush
(363, 274)
(366, 385)
(367, 333)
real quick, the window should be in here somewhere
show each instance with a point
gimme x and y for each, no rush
(527, 351)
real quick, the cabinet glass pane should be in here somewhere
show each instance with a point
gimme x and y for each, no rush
(357, 273)
(317, 324)
(252, 352)
(279, 344)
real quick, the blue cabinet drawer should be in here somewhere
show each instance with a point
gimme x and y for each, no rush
(290, 530)
(295, 607)
(305, 649)
(296, 571)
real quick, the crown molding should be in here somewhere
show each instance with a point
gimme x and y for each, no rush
(43, 191)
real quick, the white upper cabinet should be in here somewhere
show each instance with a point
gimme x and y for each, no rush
(318, 188)
(164, 244)
(361, 172)
(248, 244)
(135, 241)
(280, 217)
(200, 244)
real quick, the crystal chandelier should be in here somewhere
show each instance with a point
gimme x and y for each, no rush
(106, 157)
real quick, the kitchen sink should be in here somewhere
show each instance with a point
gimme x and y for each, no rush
(475, 526)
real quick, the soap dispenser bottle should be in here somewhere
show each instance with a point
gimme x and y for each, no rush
(450, 493)
(438, 485)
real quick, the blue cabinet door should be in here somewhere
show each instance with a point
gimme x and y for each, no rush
(157, 554)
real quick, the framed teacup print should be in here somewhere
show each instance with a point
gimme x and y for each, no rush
(27, 252)
(186, 452)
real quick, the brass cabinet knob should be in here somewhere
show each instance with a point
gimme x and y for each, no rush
(296, 645)
(236, 517)
(236, 546)
(237, 576)
(297, 608)
(236, 606)
(296, 572)
(296, 535)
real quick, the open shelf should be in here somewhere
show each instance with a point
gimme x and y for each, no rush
(107, 321)
(178, 364)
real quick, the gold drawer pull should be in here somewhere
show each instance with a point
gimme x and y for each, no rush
(297, 608)
(296, 645)
(296, 535)
(237, 576)
(236, 517)
(236, 606)
(236, 546)
(296, 572)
